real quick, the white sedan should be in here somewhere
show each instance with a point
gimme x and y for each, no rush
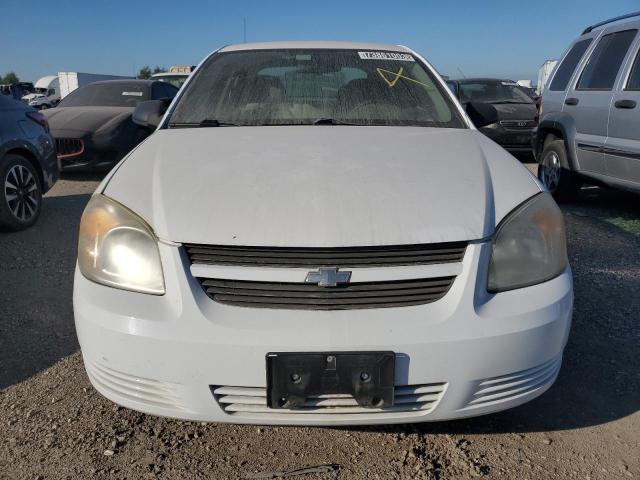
(316, 233)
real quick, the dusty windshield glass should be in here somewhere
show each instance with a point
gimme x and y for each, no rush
(307, 86)
(493, 91)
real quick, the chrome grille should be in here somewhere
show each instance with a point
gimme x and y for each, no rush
(253, 400)
(426, 254)
(68, 147)
(518, 124)
(396, 293)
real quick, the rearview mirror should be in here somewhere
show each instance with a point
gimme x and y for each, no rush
(149, 114)
(481, 114)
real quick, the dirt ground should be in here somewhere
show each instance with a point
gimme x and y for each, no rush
(54, 425)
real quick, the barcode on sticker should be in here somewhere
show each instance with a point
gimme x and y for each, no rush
(404, 57)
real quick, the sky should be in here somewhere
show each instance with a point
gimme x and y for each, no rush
(507, 39)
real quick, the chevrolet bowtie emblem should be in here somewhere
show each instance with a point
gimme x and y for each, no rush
(328, 277)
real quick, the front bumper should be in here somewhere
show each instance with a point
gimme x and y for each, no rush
(471, 352)
(48, 161)
(91, 159)
(515, 141)
(534, 143)
(100, 151)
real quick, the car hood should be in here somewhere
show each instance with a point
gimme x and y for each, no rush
(515, 111)
(79, 121)
(320, 185)
(32, 96)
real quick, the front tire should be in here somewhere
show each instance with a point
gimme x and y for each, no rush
(561, 182)
(20, 193)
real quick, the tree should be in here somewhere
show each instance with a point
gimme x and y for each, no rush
(10, 78)
(144, 73)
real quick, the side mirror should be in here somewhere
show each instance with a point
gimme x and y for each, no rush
(149, 114)
(481, 114)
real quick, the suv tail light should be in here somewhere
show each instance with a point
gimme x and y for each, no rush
(39, 118)
(536, 118)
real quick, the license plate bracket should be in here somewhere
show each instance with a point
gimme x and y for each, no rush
(293, 378)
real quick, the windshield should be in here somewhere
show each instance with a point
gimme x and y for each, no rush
(175, 80)
(493, 91)
(107, 95)
(306, 86)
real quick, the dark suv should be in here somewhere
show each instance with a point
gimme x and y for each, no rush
(28, 163)
(590, 114)
(93, 126)
(514, 106)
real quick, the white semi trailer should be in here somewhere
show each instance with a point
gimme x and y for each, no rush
(544, 73)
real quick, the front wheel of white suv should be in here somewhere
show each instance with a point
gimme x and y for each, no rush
(561, 182)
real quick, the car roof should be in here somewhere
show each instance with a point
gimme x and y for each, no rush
(124, 81)
(46, 80)
(10, 103)
(314, 45)
(170, 74)
(621, 20)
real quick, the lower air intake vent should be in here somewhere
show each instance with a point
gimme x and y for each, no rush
(144, 391)
(420, 399)
(509, 387)
(397, 293)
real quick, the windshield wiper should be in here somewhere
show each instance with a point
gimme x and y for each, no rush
(207, 122)
(332, 121)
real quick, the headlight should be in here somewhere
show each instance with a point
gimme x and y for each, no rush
(529, 246)
(117, 248)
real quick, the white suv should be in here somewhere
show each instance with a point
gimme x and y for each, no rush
(317, 234)
(590, 112)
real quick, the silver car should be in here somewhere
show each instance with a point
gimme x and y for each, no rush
(589, 127)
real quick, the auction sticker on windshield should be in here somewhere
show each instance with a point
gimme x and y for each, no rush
(133, 94)
(405, 57)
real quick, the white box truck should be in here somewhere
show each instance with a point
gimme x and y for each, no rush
(46, 94)
(69, 81)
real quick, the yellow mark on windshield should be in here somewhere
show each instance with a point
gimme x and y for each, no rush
(397, 76)
(391, 83)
